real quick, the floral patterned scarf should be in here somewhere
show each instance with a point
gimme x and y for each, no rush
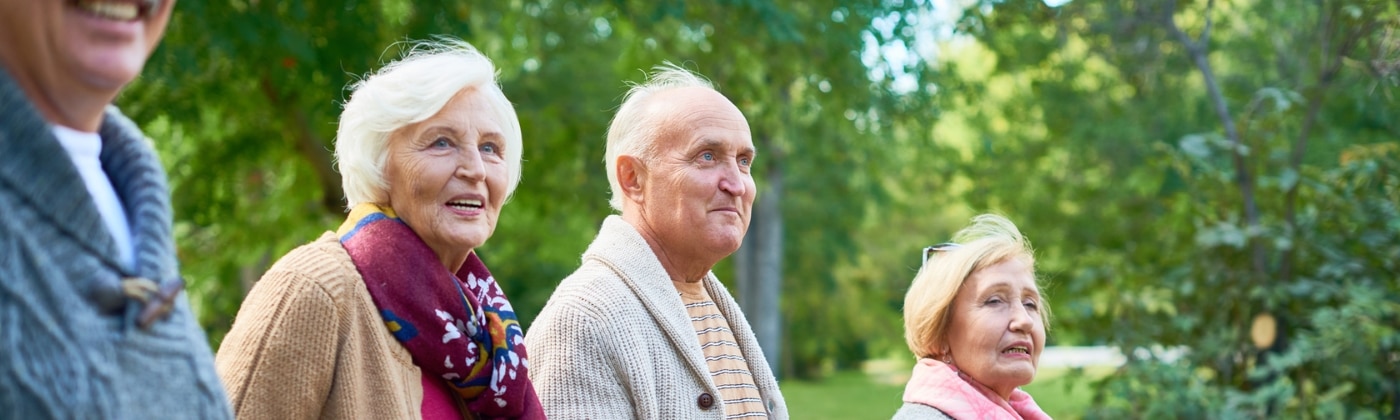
(457, 327)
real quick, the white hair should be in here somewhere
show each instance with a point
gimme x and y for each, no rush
(408, 91)
(634, 130)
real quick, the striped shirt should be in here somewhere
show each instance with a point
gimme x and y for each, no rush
(728, 368)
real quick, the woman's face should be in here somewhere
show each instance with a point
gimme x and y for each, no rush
(996, 333)
(447, 176)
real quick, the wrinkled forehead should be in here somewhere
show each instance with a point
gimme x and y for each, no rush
(1016, 273)
(691, 115)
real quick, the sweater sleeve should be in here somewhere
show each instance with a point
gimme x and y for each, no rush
(277, 361)
(571, 368)
(916, 411)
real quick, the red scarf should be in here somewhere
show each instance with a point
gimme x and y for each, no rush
(942, 386)
(457, 327)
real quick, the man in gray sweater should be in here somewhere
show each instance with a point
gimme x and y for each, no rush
(643, 329)
(93, 323)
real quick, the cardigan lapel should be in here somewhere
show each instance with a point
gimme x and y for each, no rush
(39, 170)
(139, 180)
(622, 249)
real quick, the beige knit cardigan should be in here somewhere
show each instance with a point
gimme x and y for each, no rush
(615, 342)
(309, 343)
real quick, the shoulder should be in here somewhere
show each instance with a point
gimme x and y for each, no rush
(323, 265)
(916, 411)
(594, 289)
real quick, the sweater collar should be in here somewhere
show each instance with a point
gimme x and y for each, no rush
(621, 248)
(140, 181)
(39, 171)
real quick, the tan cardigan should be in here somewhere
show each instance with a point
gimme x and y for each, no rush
(615, 341)
(309, 343)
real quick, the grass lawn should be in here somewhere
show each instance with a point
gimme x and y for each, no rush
(844, 395)
(857, 395)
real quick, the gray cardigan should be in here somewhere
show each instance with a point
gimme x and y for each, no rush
(615, 341)
(916, 411)
(69, 343)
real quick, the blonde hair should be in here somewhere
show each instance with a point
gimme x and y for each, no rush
(634, 130)
(989, 240)
(408, 91)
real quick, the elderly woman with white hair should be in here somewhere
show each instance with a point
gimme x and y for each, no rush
(394, 315)
(976, 320)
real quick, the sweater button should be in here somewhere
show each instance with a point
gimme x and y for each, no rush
(705, 401)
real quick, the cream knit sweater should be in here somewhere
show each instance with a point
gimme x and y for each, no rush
(614, 341)
(308, 343)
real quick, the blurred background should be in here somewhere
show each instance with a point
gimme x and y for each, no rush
(1213, 188)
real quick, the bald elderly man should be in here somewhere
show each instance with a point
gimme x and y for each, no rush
(643, 329)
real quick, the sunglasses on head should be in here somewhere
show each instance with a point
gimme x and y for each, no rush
(929, 251)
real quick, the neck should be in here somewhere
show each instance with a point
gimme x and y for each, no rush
(69, 106)
(1001, 391)
(678, 267)
(1004, 393)
(452, 261)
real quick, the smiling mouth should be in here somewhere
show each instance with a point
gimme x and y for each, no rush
(1017, 350)
(117, 10)
(465, 204)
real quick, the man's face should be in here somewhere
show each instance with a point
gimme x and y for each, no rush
(698, 190)
(89, 49)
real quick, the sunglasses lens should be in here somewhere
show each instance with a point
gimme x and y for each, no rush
(943, 247)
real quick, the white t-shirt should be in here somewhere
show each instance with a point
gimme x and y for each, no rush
(85, 149)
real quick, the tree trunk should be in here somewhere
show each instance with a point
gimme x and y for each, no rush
(759, 271)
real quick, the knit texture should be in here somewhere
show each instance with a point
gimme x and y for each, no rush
(916, 411)
(615, 341)
(69, 343)
(457, 327)
(723, 358)
(309, 343)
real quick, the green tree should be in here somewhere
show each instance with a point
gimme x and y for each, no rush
(1195, 167)
(246, 94)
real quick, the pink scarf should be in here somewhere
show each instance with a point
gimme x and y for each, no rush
(942, 386)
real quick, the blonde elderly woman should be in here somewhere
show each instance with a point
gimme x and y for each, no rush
(976, 320)
(394, 316)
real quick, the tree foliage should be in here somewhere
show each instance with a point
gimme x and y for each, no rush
(244, 95)
(1184, 167)
(1199, 166)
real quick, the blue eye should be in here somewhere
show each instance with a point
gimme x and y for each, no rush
(441, 142)
(744, 161)
(707, 156)
(490, 148)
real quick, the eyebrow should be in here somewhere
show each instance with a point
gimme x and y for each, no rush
(493, 135)
(710, 143)
(455, 132)
(1034, 291)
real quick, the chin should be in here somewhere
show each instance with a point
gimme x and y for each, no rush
(112, 72)
(726, 245)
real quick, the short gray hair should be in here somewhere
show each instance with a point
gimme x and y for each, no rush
(634, 130)
(408, 91)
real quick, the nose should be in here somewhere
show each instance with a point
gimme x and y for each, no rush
(1021, 320)
(732, 181)
(470, 166)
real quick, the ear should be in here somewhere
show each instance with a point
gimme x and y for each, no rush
(631, 177)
